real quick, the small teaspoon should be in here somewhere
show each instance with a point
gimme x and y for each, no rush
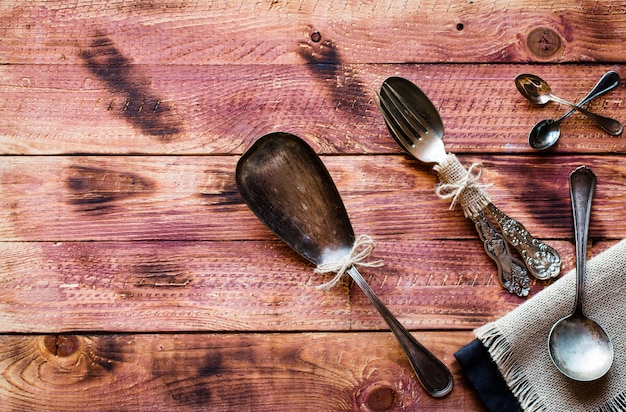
(538, 91)
(546, 133)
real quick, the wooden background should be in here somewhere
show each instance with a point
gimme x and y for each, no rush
(134, 278)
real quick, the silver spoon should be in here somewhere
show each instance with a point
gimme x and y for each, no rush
(546, 133)
(579, 347)
(287, 186)
(538, 91)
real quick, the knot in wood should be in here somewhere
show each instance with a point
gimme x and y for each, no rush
(543, 42)
(61, 345)
(381, 398)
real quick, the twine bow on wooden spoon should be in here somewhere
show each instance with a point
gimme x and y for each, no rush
(361, 249)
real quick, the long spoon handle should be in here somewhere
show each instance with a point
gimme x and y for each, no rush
(608, 81)
(542, 261)
(582, 183)
(611, 126)
(433, 375)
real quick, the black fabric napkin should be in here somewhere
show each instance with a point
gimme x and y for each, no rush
(482, 374)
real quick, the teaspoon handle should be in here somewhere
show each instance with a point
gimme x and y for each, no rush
(582, 184)
(608, 81)
(611, 126)
(432, 374)
(542, 261)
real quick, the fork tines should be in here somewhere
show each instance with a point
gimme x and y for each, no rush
(404, 122)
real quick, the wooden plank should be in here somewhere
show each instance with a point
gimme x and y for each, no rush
(216, 109)
(270, 32)
(247, 286)
(54, 198)
(163, 286)
(225, 372)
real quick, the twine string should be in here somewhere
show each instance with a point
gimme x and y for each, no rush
(362, 248)
(455, 189)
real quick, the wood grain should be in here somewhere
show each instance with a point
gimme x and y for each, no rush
(225, 372)
(134, 277)
(217, 109)
(250, 286)
(181, 32)
(82, 198)
(212, 286)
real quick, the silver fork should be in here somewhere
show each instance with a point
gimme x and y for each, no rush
(413, 134)
(415, 124)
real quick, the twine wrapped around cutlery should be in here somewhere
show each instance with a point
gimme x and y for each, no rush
(461, 185)
(362, 248)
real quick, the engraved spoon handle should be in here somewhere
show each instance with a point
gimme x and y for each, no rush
(542, 261)
(434, 376)
(512, 273)
(582, 186)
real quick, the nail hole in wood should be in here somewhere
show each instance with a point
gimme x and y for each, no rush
(316, 36)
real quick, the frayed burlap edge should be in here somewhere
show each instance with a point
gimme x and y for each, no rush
(512, 372)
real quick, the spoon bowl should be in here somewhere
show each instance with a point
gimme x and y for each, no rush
(579, 347)
(546, 133)
(287, 186)
(534, 88)
(538, 91)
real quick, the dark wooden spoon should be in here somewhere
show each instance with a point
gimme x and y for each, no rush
(287, 186)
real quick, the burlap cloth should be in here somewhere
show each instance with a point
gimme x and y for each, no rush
(518, 342)
(461, 185)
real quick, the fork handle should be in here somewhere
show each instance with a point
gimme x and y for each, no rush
(542, 261)
(431, 373)
(512, 273)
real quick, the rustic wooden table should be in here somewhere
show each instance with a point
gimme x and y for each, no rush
(133, 276)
